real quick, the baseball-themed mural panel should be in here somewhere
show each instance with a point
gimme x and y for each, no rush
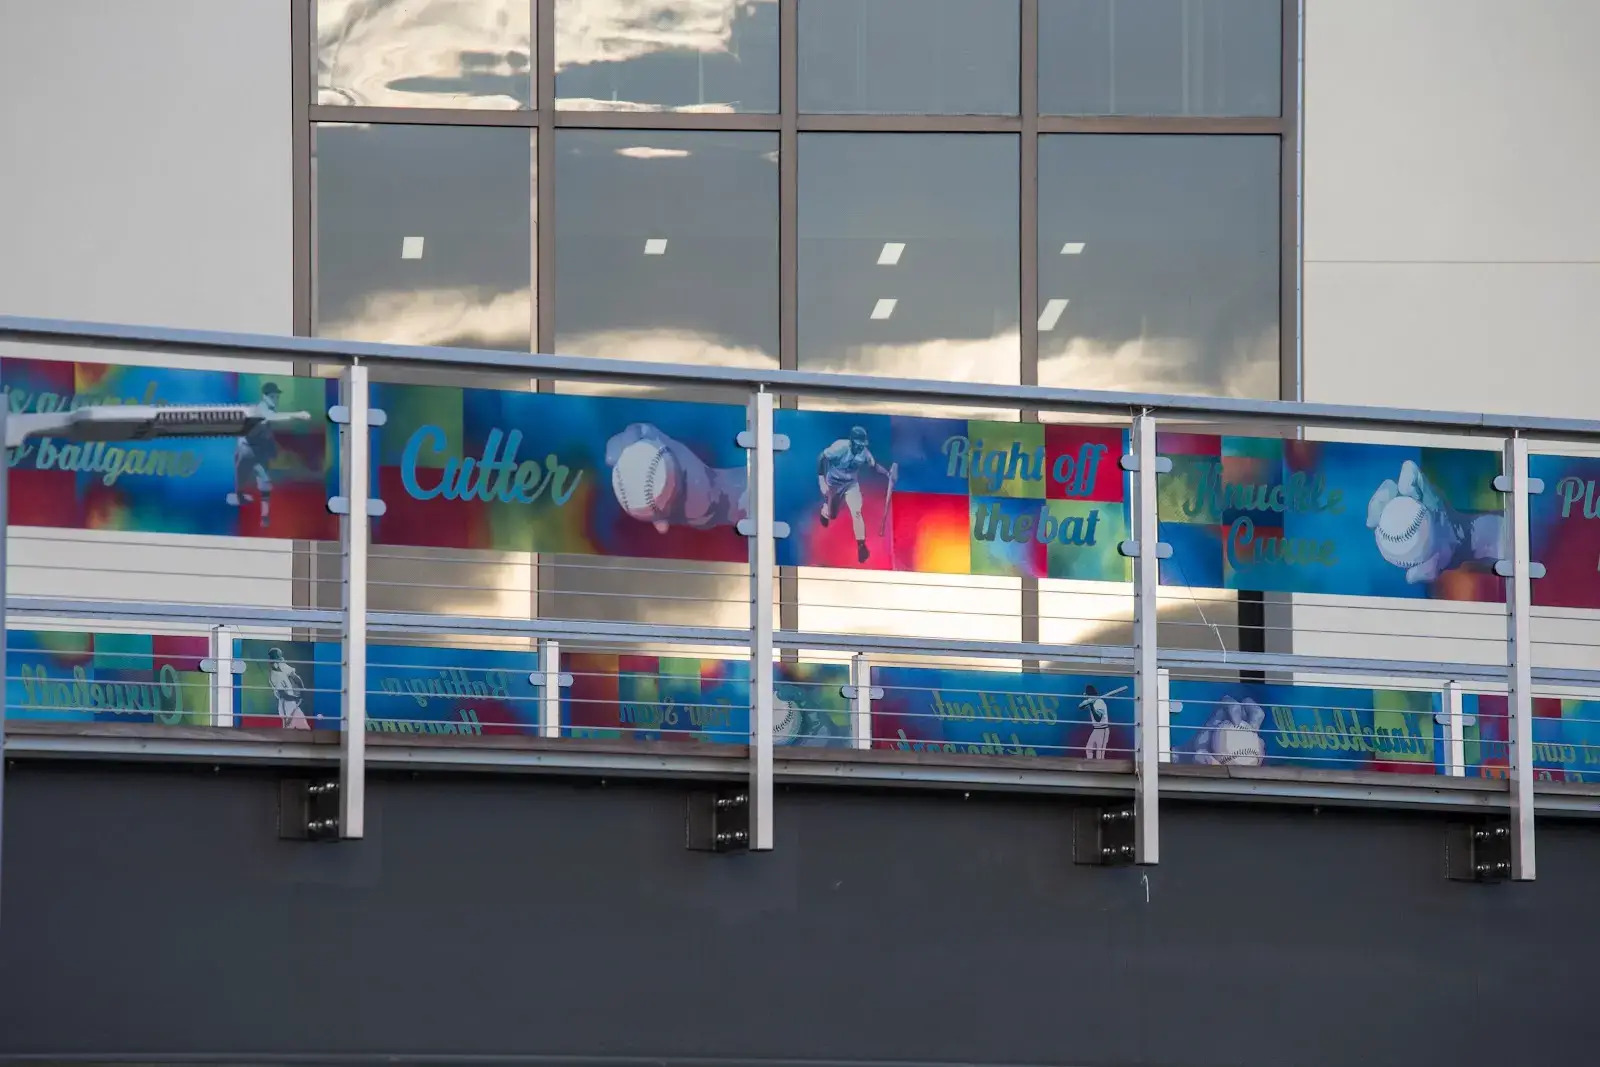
(1566, 738)
(951, 496)
(1564, 528)
(666, 698)
(411, 689)
(88, 677)
(998, 713)
(1327, 517)
(273, 482)
(1319, 727)
(541, 472)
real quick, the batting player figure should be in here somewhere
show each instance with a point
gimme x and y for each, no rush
(287, 689)
(1099, 724)
(251, 456)
(839, 479)
(1457, 540)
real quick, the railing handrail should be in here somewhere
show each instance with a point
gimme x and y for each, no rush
(220, 344)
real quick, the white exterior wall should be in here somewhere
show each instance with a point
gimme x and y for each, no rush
(145, 177)
(1452, 243)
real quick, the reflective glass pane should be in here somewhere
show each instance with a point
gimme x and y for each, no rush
(425, 53)
(667, 55)
(425, 235)
(915, 57)
(1160, 57)
(667, 246)
(1158, 263)
(908, 255)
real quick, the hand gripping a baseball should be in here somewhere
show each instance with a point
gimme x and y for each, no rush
(1413, 526)
(1232, 735)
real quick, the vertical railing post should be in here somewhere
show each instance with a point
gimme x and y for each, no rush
(1455, 730)
(1146, 552)
(550, 683)
(1518, 569)
(222, 675)
(860, 693)
(763, 563)
(1164, 729)
(354, 473)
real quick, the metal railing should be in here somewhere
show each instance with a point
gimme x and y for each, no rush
(1159, 635)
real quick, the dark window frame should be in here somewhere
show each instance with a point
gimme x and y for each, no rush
(788, 122)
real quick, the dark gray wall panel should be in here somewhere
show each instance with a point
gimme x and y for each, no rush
(156, 913)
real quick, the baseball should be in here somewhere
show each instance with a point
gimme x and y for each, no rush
(785, 721)
(1405, 532)
(645, 480)
(1237, 744)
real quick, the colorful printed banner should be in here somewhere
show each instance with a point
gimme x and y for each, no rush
(523, 471)
(993, 713)
(1566, 737)
(662, 698)
(1324, 517)
(83, 677)
(891, 492)
(1321, 727)
(1565, 531)
(274, 482)
(543, 472)
(411, 689)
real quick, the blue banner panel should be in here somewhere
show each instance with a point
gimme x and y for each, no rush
(411, 689)
(667, 698)
(1291, 516)
(86, 677)
(544, 472)
(1566, 738)
(997, 713)
(273, 482)
(951, 496)
(1306, 726)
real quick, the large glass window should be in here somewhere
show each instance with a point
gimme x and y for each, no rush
(667, 230)
(425, 53)
(711, 56)
(908, 255)
(1158, 263)
(911, 57)
(1160, 57)
(424, 235)
(667, 246)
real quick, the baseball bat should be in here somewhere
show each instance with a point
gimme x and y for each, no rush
(1103, 696)
(888, 499)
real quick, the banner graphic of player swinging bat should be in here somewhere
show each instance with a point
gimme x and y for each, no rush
(997, 713)
(273, 482)
(1322, 727)
(411, 689)
(1317, 517)
(541, 472)
(889, 492)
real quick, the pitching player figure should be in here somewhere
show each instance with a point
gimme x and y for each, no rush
(1417, 529)
(1099, 724)
(255, 452)
(660, 480)
(839, 480)
(287, 689)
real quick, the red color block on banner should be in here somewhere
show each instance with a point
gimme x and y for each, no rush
(1083, 463)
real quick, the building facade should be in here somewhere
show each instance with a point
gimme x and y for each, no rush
(1340, 202)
